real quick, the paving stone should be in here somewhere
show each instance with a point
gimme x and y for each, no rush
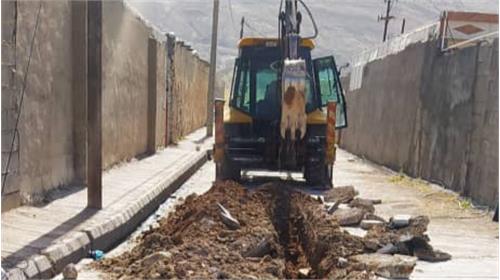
(29, 268)
(44, 266)
(68, 250)
(15, 274)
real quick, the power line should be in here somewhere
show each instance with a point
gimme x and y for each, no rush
(232, 16)
(22, 97)
(253, 29)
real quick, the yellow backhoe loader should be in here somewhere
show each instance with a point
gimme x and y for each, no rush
(284, 106)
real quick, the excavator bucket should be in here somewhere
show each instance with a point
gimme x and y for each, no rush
(293, 106)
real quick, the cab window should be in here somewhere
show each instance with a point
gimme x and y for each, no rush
(329, 87)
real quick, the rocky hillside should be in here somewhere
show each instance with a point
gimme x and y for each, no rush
(346, 26)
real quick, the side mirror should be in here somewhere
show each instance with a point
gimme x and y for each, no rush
(345, 65)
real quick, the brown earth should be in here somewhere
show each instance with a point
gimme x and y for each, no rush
(284, 234)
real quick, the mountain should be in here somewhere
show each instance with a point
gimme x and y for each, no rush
(346, 27)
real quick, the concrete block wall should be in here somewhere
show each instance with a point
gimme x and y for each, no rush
(51, 147)
(431, 115)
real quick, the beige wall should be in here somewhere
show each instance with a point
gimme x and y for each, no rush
(125, 83)
(431, 115)
(190, 89)
(50, 150)
(43, 156)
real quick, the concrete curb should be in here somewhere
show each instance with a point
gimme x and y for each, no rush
(108, 234)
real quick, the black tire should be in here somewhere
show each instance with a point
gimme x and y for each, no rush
(228, 171)
(319, 175)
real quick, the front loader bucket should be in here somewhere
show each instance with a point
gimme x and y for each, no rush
(293, 103)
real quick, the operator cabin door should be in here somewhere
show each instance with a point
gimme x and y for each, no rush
(329, 87)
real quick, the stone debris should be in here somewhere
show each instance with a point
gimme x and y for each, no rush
(371, 216)
(275, 223)
(264, 247)
(399, 221)
(275, 232)
(70, 272)
(227, 218)
(156, 257)
(392, 267)
(342, 194)
(368, 224)
(342, 262)
(365, 204)
(333, 207)
(304, 272)
(349, 217)
(419, 247)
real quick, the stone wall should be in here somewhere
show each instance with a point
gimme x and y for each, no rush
(50, 150)
(432, 115)
(190, 82)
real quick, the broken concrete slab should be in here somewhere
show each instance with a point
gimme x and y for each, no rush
(333, 207)
(304, 272)
(227, 218)
(371, 216)
(399, 221)
(419, 247)
(365, 204)
(388, 249)
(392, 267)
(343, 194)
(263, 248)
(349, 217)
(368, 224)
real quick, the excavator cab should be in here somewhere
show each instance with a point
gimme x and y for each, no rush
(252, 116)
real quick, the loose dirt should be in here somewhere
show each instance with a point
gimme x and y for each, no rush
(283, 233)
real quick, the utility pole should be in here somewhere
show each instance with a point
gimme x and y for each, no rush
(242, 26)
(94, 104)
(403, 26)
(386, 18)
(211, 75)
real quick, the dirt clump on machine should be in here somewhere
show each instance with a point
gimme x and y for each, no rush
(273, 231)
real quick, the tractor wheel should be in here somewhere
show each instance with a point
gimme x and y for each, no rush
(319, 175)
(228, 171)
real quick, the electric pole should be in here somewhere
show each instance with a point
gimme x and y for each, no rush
(386, 18)
(242, 26)
(211, 75)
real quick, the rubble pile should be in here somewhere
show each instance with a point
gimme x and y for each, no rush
(273, 231)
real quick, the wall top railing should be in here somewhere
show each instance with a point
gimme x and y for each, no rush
(392, 46)
(397, 44)
(453, 30)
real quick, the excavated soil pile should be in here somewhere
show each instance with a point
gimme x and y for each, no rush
(282, 233)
